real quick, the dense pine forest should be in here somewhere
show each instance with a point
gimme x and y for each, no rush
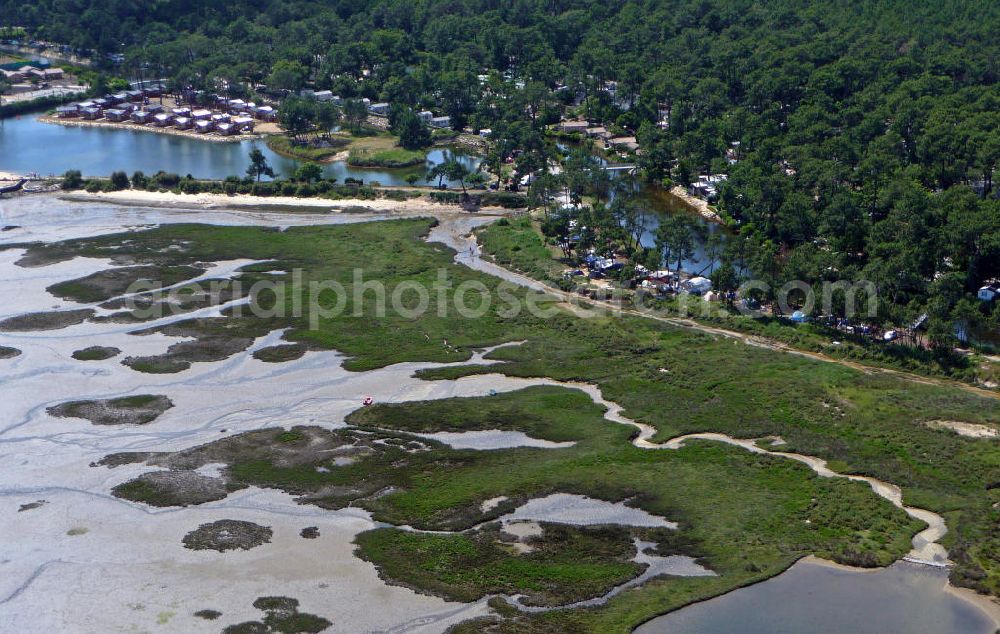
(863, 137)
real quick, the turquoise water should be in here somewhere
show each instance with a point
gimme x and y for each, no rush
(28, 145)
(816, 599)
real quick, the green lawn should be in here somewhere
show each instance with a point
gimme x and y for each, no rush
(388, 157)
(310, 149)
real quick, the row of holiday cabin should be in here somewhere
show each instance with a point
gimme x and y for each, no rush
(134, 106)
(180, 118)
(27, 73)
(199, 119)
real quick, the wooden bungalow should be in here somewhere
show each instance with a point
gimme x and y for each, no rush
(441, 122)
(573, 126)
(244, 124)
(116, 114)
(265, 113)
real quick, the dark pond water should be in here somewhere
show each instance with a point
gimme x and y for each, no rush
(816, 599)
(662, 203)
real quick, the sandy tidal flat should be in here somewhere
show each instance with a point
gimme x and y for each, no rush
(76, 559)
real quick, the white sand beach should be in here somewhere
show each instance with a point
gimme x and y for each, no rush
(223, 201)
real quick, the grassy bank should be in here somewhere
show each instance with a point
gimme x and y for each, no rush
(388, 158)
(365, 149)
(174, 183)
(516, 244)
(314, 150)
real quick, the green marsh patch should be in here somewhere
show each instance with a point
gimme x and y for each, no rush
(172, 488)
(389, 252)
(281, 616)
(745, 516)
(214, 339)
(224, 535)
(566, 564)
(105, 285)
(129, 410)
(96, 353)
(280, 353)
(52, 320)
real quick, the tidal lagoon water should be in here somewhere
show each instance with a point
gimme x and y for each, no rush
(820, 599)
(28, 145)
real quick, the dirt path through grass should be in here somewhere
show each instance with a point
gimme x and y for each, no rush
(457, 233)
